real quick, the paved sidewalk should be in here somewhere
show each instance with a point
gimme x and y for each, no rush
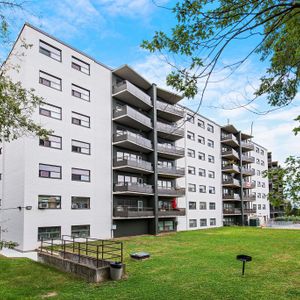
(13, 253)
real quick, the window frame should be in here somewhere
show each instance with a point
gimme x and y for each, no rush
(50, 86)
(46, 140)
(79, 152)
(49, 177)
(51, 46)
(89, 118)
(80, 180)
(83, 62)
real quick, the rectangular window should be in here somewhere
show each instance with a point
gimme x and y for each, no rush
(191, 170)
(80, 92)
(212, 222)
(192, 205)
(47, 233)
(201, 139)
(50, 111)
(81, 175)
(211, 158)
(50, 80)
(259, 206)
(49, 202)
(263, 184)
(257, 161)
(81, 231)
(211, 174)
(202, 205)
(192, 223)
(264, 206)
(81, 120)
(203, 222)
(80, 202)
(263, 196)
(190, 153)
(254, 206)
(262, 152)
(81, 147)
(212, 205)
(211, 190)
(210, 128)
(49, 171)
(202, 189)
(191, 135)
(210, 143)
(50, 51)
(201, 155)
(201, 123)
(190, 118)
(258, 195)
(80, 65)
(52, 141)
(202, 172)
(257, 150)
(262, 162)
(192, 187)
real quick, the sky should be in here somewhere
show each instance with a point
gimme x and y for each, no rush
(111, 31)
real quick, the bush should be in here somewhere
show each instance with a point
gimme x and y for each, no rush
(294, 219)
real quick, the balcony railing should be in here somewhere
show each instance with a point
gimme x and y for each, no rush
(231, 181)
(171, 170)
(133, 163)
(231, 197)
(124, 211)
(232, 211)
(247, 145)
(248, 172)
(172, 109)
(231, 167)
(132, 137)
(249, 185)
(169, 149)
(170, 129)
(249, 211)
(250, 197)
(174, 192)
(133, 114)
(126, 86)
(249, 159)
(226, 137)
(133, 187)
(230, 152)
(171, 212)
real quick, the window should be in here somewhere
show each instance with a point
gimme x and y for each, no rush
(190, 153)
(254, 206)
(263, 196)
(201, 139)
(50, 80)
(264, 206)
(212, 222)
(192, 187)
(258, 172)
(49, 202)
(80, 202)
(211, 158)
(80, 92)
(201, 155)
(191, 170)
(211, 174)
(50, 111)
(190, 118)
(259, 206)
(192, 223)
(262, 152)
(202, 172)
(80, 65)
(201, 123)
(81, 120)
(50, 51)
(262, 162)
(202, 205)
(211, 190)
(203, 222)
(263, 184)
(81, 175)
(258, 183)
(52, 141)
(192, 205)
(210, 143)
(81, 147)
(191, 135)
(257, 161)
(202, 189)
(258, 195)
(49, 171)
(80, 231)
(210, 128)
(47, 233)
(212, 205)
(257, 150)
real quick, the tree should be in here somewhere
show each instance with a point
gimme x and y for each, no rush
(205, 29)
(16, 103)
(285, 182)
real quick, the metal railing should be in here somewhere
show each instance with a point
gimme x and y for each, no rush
(178, 191)
(169, 108)
(169, 149)
(140, 164)
(231, 167)
(132, 137)
(96, 249)
(133, 187)
(247, 145)
(170, 129)
(171, 170)
(232, 211)
(229, 152)
(249, 159)
(171, 212)
(132, 211)
(247, 171)
(231, 181)
(232, 196)
(229, 137)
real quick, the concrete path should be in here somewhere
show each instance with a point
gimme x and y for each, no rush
(14, 253)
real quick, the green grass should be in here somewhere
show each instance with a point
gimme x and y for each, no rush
(185, 265)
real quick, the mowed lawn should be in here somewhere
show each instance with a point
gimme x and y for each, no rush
(187, 265)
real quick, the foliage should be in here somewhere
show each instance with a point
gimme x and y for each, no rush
(295, 219)
(205, 29)
(9, 244)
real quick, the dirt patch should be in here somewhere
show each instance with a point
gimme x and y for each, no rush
(49, 295)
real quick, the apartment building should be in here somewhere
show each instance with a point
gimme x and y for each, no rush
(124, 158)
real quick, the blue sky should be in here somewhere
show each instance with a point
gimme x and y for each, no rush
(112, 30)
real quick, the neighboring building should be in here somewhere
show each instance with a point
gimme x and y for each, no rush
(124, 158)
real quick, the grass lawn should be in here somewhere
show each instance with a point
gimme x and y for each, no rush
(186, 265)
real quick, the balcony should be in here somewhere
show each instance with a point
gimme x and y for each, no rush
(231, 197)
(171, 192)
(129, 188)
(231, 168)
(132, 141)
(133, 165)
(249, 197)
(169, 131)
(231, 182)
(171, 212)
(171, 172)
(169, 112)
(170, 151)
(249, 185)
(247, 146)
(249, 211)
(132, 212)
(248, 159)
(229, 139)
(132, 95)
(128, 116)
(247, 172)
(232, 211)
(230, 154)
